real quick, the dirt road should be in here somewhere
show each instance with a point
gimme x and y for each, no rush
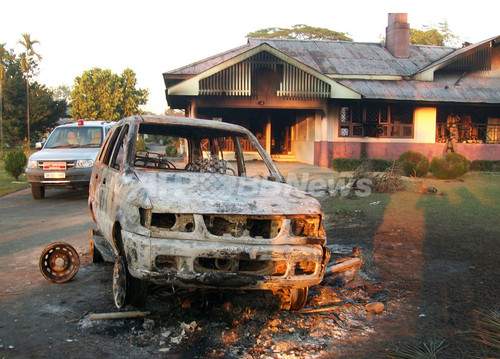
(40, 319)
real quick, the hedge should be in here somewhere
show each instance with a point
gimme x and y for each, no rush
(485, 166)
(351, 164)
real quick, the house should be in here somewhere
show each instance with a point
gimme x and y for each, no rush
(312, 101)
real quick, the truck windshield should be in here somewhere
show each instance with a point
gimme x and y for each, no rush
(74, 137)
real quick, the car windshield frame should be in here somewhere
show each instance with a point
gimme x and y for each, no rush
(194, 135)
(75, 137)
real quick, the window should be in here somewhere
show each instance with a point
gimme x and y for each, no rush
(350, 121)
(376, 120)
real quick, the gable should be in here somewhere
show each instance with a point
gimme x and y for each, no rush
(473, 58)
(236, 77)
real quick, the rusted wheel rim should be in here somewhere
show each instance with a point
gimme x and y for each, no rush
(298, 298)
(120, 283)
(59, 262)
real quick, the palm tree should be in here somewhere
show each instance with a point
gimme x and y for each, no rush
(27, 60)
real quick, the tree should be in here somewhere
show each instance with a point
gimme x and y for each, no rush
(4, 55)
(27, 63)
(132, 97)
(428, 37)
(432, 35)
(102, 95)
(44, 110)
(61, 92)
(299, 32)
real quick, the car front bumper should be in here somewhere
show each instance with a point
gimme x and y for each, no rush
(203, 264)
(76, 177)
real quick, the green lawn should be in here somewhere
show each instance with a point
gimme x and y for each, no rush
(438, 252)
(8, 183)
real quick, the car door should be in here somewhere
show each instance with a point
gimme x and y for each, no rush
(106, 175)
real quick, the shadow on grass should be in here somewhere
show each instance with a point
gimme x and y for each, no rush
(461, 272)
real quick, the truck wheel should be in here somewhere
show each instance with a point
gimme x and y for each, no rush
(37, 191)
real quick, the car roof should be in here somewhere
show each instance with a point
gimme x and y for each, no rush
(186, 121)
(88, 123)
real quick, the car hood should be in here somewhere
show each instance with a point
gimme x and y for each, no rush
(207, 193)
(55, 154)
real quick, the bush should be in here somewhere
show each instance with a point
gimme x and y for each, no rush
(414, 164)
(450, 166)
(485, 166)
(15, 162)
(170, 151)
(351, 164)
(141, 145)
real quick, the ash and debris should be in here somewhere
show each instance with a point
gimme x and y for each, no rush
(249, 324)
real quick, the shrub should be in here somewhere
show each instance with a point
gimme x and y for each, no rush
(485, 166)
(170, 151)
(450, 166)
(141, 145)
(15, 162)
(414, 164)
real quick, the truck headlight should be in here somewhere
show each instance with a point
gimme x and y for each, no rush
(32, 164)
(84, 163)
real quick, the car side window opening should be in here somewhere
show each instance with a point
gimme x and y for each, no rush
(118, 155)
(108, 148)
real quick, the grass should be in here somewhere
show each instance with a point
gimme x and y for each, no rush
(427, 350)
(456, 232)
(468, 206)
(488, 328)
(8, 184)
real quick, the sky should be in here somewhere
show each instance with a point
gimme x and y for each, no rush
(152, 37)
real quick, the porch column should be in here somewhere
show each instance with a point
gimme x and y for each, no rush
(268, 134)
(193, 109)
(324, 148)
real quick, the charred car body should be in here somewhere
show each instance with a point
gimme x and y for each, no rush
(216, 213)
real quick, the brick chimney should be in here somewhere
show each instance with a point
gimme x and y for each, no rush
(397, 35)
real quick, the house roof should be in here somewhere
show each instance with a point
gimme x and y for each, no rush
(334, 57)
(445, 88)
(370, 70)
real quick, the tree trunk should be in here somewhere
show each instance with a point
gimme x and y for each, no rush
(28, 108)
(1, 118)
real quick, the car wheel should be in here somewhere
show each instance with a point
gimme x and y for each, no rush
(37, 191)
(127, 289)
(120, 283)
(298, 298)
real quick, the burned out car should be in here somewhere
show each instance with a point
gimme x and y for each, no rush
(200, 204)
